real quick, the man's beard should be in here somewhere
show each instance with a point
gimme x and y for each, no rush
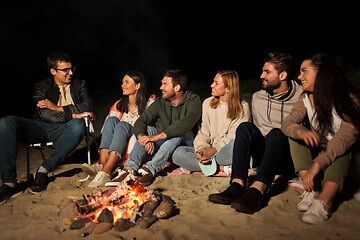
(168, 96)
(269, 87)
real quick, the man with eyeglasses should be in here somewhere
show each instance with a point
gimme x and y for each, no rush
(61, 103)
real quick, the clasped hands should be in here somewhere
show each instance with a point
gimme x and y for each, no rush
(204, 155)
(148, 141)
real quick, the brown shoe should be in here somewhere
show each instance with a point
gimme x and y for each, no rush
(147, 177)
(122, 174)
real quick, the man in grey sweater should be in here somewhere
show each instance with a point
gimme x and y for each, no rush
(263, 140)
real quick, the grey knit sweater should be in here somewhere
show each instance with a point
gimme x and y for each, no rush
(269, 111)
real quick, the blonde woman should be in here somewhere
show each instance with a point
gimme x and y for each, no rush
(222, 114)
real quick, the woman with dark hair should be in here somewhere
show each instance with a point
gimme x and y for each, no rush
(118, 127)
(330, 107)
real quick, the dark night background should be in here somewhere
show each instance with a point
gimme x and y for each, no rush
(107, 38)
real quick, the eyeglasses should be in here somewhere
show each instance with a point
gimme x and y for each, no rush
(66, 70)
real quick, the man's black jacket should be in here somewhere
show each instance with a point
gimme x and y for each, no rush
(48, 89)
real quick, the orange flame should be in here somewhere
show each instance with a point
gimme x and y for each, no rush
(132, 193)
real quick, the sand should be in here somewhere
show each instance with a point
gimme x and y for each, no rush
(29, 216)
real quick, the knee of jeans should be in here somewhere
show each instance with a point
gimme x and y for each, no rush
(123, 126)
(177, 155)
(243, 126)
(112, 119)
(77, 126)
(5, 121)
(276, 133)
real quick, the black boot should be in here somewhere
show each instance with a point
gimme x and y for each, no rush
(40, 183)
(252, 201)
(234, 191)
(6, 192)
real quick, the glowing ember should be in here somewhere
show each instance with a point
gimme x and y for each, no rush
(121, 202)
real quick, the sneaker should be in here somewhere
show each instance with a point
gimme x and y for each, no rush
(307, 199)
(296, 183)
(40, 183)
(100, 179)
(122, 174)
(93, 169)
(147, 177)
(228, 170)
(6, 192)
(234, 191)
(250, 202)
(318, 212)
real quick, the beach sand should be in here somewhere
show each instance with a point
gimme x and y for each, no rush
(29, 216)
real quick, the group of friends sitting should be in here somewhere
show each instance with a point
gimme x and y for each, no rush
(308, 130)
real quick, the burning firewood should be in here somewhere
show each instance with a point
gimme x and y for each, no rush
(127, 205)
(135, 213)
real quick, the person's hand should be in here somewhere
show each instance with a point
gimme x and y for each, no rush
(310, 138)
(202, 159)
(143, 139)
(204, 155)
(207, 153)
(81, 115)
(157, 137)
(308, 176)
(48, 104)
(150, 148)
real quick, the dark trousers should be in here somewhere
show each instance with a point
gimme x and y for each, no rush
(12, 129)
(271, 154)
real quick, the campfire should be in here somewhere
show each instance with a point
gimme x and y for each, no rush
(123, 207)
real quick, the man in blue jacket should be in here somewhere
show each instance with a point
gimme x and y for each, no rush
(61, 102)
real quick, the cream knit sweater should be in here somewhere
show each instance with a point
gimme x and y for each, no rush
(216, 129)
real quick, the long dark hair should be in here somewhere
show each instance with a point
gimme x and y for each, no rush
(332, 89)
(141, 97)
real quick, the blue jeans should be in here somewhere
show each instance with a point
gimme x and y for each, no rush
(164, 149)
(185, 157)
(115, 135)
(12, 129)
(271, 154)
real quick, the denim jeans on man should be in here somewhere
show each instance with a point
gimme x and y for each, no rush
(185, 157)
(271, 154)
(12, 129)
(163, 150)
